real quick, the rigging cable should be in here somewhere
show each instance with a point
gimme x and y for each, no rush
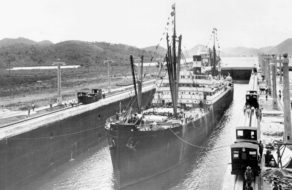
(198, 146)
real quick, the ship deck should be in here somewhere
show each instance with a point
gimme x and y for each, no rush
(159, 118)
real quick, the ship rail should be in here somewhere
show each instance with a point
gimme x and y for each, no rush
(157, 126)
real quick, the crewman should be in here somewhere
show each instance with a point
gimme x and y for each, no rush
(261, 147)
(260, 113)
(276, 187)
(248, 187)
(248, 176)
(28, 114)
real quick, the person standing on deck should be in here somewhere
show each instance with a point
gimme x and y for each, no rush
(261, 147)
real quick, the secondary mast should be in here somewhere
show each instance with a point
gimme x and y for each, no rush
(214, 52)
(173, 63)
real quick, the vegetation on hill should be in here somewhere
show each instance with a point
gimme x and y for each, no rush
(240, 51)
(196, 50)
(25, 52)
(159, 50)
(283, 47)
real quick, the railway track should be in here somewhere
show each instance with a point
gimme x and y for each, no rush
(34, 117)
(115, 92)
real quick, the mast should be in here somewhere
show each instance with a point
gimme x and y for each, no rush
(134, 82)
(174, 63)
(178, 67)
(169, 68)
(214, 52)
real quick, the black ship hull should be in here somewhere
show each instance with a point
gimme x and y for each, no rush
(141, 155)
(238, 74)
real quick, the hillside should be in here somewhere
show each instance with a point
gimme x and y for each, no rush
(239, 51)
(25, 52)
(10, 42)
(283, 47)
(198, 49)
(160, 50)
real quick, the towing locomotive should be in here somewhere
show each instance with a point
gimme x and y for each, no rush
(245, 149)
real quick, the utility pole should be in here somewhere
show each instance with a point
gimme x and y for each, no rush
(59, 63)
(273, 65)
(109, 76)
(263, 65)
(108, 73)
(286, 98)
(281, 69)
(268, 78)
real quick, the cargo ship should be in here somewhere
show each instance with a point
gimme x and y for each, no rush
(187, 105)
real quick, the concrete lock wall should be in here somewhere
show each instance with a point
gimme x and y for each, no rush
(32, 153)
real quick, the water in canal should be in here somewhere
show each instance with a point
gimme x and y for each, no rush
(204, 170)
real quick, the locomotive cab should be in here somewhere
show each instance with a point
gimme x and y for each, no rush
(251, 99)
(244, 154)
(246, 134)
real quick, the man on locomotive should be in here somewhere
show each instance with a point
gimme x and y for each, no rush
(261, 148)
(248, 176)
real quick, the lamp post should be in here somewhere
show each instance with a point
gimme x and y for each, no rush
(59, 63)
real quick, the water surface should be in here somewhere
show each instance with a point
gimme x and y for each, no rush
(204, 169)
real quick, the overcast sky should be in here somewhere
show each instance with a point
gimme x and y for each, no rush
(251, 23)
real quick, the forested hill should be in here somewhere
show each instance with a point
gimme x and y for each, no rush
(283, 47)
(25, 52)
(160, 50)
